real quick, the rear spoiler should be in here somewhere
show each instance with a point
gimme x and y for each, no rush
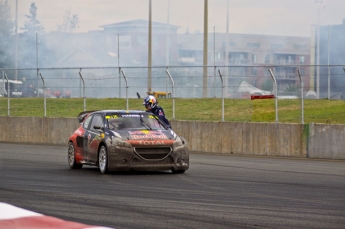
(83, 114)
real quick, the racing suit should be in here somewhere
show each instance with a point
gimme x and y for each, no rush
(157, 110)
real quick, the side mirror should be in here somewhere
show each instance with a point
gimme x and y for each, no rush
(98, 128)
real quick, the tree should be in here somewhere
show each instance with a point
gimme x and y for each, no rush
(32, 25)
(32, 45)
(6, 36)
(70, 22)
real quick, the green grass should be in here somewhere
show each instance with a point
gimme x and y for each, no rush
(210, 109)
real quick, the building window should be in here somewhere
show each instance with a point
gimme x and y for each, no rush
(302, 71)
(253, 58)
(301, 60)
(253, 45)
(277, 46)
(267, 72)
(289, 60)
(218, 56)
(300, 46)
(254, 72)
(267, 59)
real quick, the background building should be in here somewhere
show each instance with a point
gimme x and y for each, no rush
(332, 52)
(250, 57)
(125, 44)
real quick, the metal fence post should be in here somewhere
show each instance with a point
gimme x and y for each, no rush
(275, 93)
(8, 93)
(3, 89)
(44, 96)
(221, 78)
(124, 76)
(120, 82)
(172, 94)
(82, 79)
(302, 99)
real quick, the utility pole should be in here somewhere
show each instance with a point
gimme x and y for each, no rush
(16, 48)
(205, 80)
(149, 70)
(167, 38)
(319, 6)
(118, 50)
(226, 81)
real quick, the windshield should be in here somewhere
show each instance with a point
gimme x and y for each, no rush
(133, 121)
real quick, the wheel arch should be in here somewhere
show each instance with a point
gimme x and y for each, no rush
(99, 147)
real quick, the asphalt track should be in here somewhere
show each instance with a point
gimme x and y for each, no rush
(216, 192)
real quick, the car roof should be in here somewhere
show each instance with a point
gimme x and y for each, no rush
(122, 111)
(83, 114)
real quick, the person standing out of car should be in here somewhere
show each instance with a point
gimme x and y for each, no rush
(151, 105)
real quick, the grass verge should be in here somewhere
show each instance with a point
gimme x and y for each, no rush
(210, 109)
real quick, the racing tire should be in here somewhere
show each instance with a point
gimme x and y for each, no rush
(177, 171)
(103, 160)
(71, 157)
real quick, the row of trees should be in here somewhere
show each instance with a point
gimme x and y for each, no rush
(19, 49)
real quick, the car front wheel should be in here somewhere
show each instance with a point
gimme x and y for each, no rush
(103, 160)
(71, 157)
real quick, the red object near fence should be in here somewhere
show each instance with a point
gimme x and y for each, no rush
(57, 93)
(252, 97)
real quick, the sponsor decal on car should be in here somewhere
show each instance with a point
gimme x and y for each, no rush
(131, 115)
(150, 142)
(111, 116)
(117, 134)
(96, 138)
(146, 134)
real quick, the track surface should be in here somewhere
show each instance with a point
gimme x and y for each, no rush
(216, 192)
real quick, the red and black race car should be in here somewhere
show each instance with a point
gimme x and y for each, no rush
(124, 140)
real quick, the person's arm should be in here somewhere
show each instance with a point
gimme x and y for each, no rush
(161, 115)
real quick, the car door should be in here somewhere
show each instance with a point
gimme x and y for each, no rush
(86, 127)
(94, 135)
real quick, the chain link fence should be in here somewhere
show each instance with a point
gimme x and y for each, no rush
(227, 89)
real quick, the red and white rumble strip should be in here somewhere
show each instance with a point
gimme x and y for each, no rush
(12, 217)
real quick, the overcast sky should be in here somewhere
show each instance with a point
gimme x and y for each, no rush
(272, 17)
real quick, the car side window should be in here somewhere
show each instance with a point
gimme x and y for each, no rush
(97, 121)
(87, 122)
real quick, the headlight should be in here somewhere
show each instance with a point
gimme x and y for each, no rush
(178, 142)
(116, 141)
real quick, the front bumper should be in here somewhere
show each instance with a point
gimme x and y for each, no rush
(147, 159)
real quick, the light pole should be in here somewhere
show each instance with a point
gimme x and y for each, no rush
(205, 49)
(167, 60)
(319, 6)
(227, 50)
(16, 42)
(149, 78)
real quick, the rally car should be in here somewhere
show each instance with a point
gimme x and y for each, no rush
(125, 140)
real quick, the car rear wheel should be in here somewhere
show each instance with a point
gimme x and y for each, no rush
(103, 160)
(71, 157)
(177, 171)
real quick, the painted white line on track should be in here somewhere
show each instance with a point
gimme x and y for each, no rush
(18, 218)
